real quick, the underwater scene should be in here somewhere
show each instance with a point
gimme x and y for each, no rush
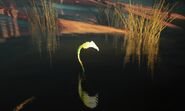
(92, 55)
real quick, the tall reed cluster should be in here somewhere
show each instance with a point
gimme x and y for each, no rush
(142, 42)
(43, 21)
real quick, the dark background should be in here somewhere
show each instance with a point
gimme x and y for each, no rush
(25, 73)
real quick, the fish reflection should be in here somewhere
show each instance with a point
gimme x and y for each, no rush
(89, 101)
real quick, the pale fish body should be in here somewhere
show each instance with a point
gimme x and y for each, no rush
(85, 45)
(89, 101)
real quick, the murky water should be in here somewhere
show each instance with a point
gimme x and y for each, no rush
(24, 73)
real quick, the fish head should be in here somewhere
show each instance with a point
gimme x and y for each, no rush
(93, 45)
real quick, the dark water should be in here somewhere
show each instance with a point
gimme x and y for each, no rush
(25, 73)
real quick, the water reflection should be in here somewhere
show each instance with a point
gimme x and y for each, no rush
(89, 101)
(8, 23)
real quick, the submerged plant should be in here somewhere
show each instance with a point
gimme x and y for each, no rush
(89, 101)
(43, 24)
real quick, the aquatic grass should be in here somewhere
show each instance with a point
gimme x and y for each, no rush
(142, 42)
(43, 25)
(145, 33)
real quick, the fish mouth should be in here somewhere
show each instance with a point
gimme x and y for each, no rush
(93, 45)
